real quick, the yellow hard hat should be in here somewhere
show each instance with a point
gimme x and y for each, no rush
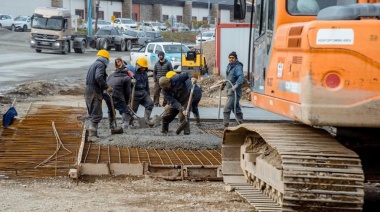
(103, 53)
(142, 62)
(170, 74)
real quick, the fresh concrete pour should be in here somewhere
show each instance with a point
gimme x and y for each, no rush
(152, 138)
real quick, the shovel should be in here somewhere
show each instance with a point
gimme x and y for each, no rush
(116, 130)
(9, 115)
(184, 123)
(140, 120)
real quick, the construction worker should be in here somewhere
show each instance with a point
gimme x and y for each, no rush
(235, 77)
(197, 95)
(120, 81)
(161, 67)
(95, 85)
(142, 92)
(177, 93)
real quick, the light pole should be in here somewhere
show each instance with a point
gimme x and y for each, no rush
(208, 10)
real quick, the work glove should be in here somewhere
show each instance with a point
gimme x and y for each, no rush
(109, 89)
(133, 81)
(194, 80)
(167, 107)
(234, 87)
(184, 112)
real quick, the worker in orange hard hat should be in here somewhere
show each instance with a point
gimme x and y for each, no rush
(141, 89)
(93, 94)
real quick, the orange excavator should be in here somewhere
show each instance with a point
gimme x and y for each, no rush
(316, 62)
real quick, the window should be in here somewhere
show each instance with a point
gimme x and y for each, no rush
(204, 18)
(79, 13)
(117, 14)
(150, 48)
(134, 16)
(159, 48)
(179, 18)
(101, 15)
(194, 18)
(165, 17)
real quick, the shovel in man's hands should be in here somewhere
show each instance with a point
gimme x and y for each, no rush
(115, 130)
(186, 113)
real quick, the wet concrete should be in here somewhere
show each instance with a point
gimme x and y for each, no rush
(152, 138)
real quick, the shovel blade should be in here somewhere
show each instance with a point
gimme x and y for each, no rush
(181, 127)
(117, 130)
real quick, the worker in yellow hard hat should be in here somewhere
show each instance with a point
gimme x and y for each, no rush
(93, 94)
(197, 95)
(141, 94)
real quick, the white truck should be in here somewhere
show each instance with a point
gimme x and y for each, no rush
(51, 30)
(172, 52)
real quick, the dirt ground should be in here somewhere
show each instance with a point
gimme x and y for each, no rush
(124, 193)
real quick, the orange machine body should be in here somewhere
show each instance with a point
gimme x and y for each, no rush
(320, 72)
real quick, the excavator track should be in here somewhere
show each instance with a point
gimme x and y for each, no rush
(297, 167)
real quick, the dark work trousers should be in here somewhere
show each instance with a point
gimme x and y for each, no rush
(94, 104)
(120, 105)
(156, 95)
(142, 99)
(170, 114)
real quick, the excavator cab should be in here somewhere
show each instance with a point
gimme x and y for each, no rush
(315, 62)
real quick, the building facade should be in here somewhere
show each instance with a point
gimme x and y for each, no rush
(214, 11)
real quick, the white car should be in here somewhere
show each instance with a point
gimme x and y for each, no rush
(22, 23)
(6, 21)
(151, 26)
(205, 36)
(124, 23)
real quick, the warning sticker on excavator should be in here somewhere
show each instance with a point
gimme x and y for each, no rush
(335, 37)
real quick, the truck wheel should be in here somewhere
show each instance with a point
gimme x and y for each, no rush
(66, 48)
(121, 46)
(128, 46)
(38, 50)
(24, 28)
(82, 48)
(98, 41)
(104, 43)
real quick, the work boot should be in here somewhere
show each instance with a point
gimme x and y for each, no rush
(126, 120)
(147, 118)
(111, 121)
(93, 132)
(197, 118)
(165, 128)
(239, 117)
(226, 119)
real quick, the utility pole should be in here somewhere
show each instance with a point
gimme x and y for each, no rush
(89, 17)
(208, 17)
(97, 15)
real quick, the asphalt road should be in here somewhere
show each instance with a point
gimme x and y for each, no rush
(19, 63)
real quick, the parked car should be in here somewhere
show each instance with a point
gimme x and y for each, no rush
(6, 21)
(151, 26)
(163, 27)
(181, 27)
(154, 36)
(205, 36)
(101, 24)
(172, 52)
(124, 23)
(22, 23)
(143, 39)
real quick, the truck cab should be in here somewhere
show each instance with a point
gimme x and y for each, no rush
(51, 30)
